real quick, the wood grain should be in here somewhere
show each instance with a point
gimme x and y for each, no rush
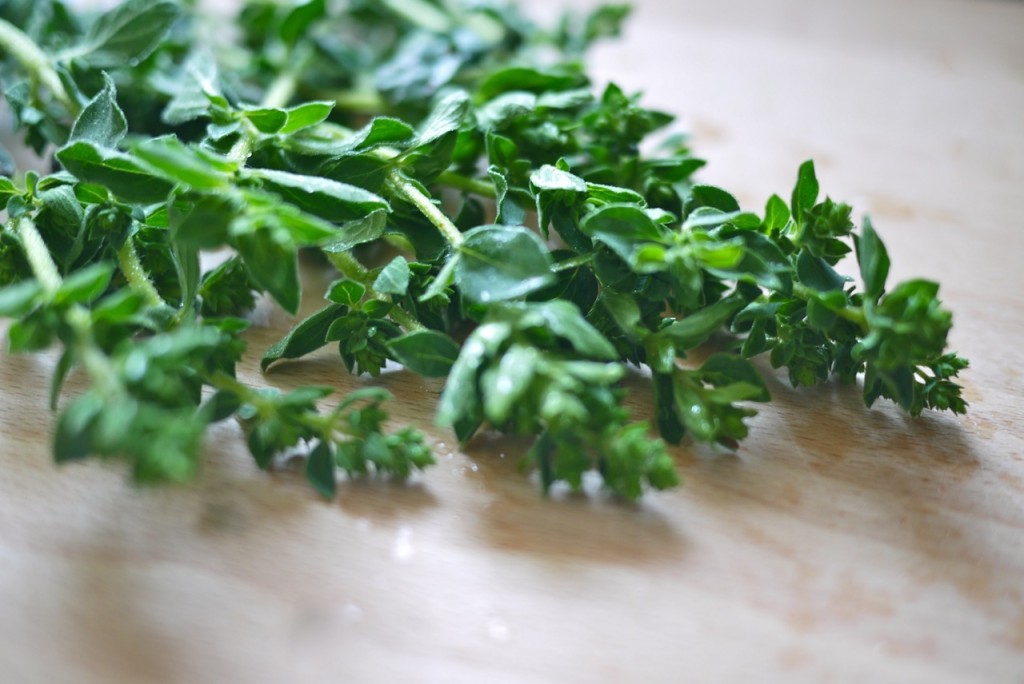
(837, 545)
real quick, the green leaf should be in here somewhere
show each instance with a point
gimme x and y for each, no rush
(18, 299)
(321, 197)
(320, 469)
(814, 272)
(347, 292)
(564, 320)
(167, 156)
(499, 263)
(297, 22)
(393, 278)
(122, 174)
(427, 352)
(622, 228)
(530, 80)
(101, 122)
(723, 369)
(307, 114)
(266, 120)
(72, 440)
(805, 193)
(552, 178)
(84, 285)
(273, 263)
(445, 119)
(306, 337)
(873, 259)
(696, 328)
(126, 34)
(358, 232)
(776, 214)
(504, 384)
(715, 197)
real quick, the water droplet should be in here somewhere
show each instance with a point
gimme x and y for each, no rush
(497, 630)
(473, 467)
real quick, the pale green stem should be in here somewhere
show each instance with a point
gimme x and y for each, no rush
(35, 61)
(77, 316)
(474, 185)
(38, 255)
(359, 101)
(410, 192)
(136, 274)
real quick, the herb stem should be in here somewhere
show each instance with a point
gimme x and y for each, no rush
(38, 255)
(359, 101)
(35, 61)
(426, 206)
(349, 266)
(77, 317)
(136, 275)
(476, 186)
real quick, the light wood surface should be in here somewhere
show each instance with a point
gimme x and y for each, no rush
(837, 545)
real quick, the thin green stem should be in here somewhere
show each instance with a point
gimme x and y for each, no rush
(136, 274)
(276, 96)
(77, 317)
(476, 186)
(360, 101)
(349, 266)
(404, 319)
(407, 189)
(38, 255)
(14, 41)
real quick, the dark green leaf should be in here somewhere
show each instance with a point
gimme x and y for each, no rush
(498, 263)
(320, 468)
(805, 193)
(120, 173)
(273, 263)
(814, 272)
(167, 156)
(347, 292)
(85, 285)
(307, 336)
(321, 197)
(873, 259)
(18, 299)
(427, 352)
(297, 22)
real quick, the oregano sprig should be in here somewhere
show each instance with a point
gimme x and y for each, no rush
(492, 219)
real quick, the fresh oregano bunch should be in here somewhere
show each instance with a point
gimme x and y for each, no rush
(492, 219)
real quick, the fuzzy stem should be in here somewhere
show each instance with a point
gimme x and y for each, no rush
(136, 274)
(353, 270)
(38, 255)
(35, 61)
(407, 189)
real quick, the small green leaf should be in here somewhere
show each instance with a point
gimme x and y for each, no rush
(321, 197)
(307, 336)
(499, 263)
(873, 259)
(266, 120)
(696, 328)
(18, 299)
(167, 156)
(347, 292)
(552, 178)
(120, 173)
(297, 22)
(357, 232)
(306, 114)
(72, 439)
(814, 272)
(776, 214)
(101, 122)
(126, 34)
(805, 193)
(715, 197)
(393, 278)
(320, 469)
(85, 285)
(427, 352)
(273, 263)
(503, 385)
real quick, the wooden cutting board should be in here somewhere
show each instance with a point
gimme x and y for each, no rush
(837, 545)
